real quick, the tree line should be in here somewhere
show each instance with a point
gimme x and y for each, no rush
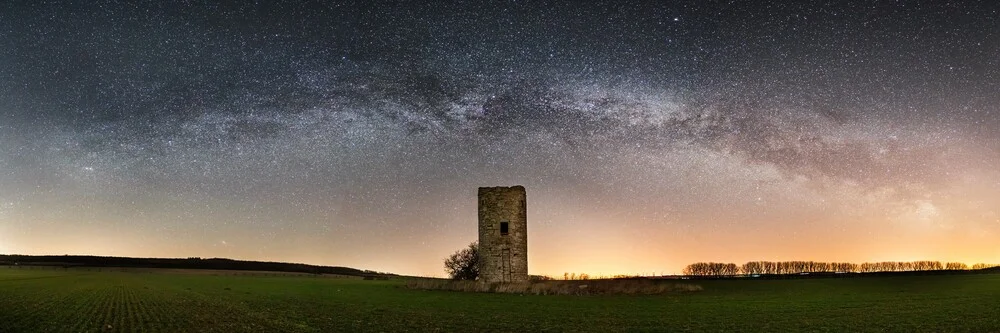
(798, 267)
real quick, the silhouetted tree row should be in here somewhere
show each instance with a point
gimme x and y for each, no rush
(984, 266)
(797, 267)
(895, 266)
(711, 269)
(575, 276)
(955, 266)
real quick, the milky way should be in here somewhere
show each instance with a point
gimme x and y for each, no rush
(647, 135)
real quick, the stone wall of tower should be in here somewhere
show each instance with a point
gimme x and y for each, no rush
(503, 257)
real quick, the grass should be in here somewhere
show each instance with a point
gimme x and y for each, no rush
(79, 301)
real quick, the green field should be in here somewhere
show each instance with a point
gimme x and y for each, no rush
(79, 301)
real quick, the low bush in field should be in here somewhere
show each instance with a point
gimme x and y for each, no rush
(555, 287)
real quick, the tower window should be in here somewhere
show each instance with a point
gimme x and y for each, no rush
(504, 228)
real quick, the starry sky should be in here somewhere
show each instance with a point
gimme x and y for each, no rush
(649, 134)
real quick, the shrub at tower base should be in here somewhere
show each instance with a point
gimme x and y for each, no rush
(464, 263)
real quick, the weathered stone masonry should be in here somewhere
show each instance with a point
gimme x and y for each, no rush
(503, 234)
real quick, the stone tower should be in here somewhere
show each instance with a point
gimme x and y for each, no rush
(503, 234)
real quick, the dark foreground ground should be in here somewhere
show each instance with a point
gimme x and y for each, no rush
(57, 300)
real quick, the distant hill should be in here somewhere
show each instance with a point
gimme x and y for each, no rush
(991, 269)
(185, 263)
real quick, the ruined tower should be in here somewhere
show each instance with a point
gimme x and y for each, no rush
(503, 234)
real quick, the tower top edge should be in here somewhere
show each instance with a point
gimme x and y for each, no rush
(502, 188)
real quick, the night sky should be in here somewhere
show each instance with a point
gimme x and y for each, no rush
(649, 134)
